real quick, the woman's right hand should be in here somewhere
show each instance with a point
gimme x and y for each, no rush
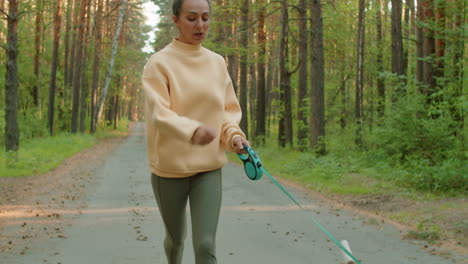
(203, 135)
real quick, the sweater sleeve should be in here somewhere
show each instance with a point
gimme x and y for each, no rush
(158, 103)
(232, 117)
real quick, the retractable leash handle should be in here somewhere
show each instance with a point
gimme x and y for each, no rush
(254, 170)
(252, 164)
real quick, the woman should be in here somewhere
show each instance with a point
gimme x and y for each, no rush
(192, 118)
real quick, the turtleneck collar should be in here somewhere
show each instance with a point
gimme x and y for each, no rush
(184, 46)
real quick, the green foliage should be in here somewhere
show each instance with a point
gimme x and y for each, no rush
(32, 124)
(39, 155)
(422, 146)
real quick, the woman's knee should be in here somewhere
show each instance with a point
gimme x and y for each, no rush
(205, 247)
(174, 244)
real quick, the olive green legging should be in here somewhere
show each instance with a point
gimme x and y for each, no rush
(204, 192)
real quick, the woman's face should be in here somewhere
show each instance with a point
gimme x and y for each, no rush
(193, 21)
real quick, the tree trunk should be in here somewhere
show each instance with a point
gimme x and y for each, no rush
(380, 68)
(406, 35)
(252, 90)
(440, 39)
(78, 67)
(11, 79)
(84, 80)
(67, 44)
(116, 102)
(459, 40)
(53, 71)
(270, 76)
(317, 121)
(360, 74)
(459, 45)
(412, 16)
(2, 7)
(261, 84)
(285, 133)
(116, 111)
(420, 45)
(429, 50)
(37, 51)
(302, 89)
(74, 49)
(398, 67)
(96, 62)
(230, 42)
(132, 104)
(115, 45)
(252, 76)
(244, 40)
(344, 91)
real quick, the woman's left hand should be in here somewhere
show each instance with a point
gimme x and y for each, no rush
(239, 143)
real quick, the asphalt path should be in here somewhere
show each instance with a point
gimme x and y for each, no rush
(258, 224)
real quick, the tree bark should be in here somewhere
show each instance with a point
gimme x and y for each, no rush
(67, 44)
(244, 39)
(53, 71)
(261, 84)
(317, 77)
(37, 51)
(459, 40)
(114, 103)
(252, 90)
(78, 67)
(360, 74)
(420, 45)
(406, 34)
(285, 133)
(84, 62)
(116, 111)
(412, 17)
(2, 7)
(398, 67)
(302, 89)
(270, 76)
(11, 79)
(132, 104)
(230, 42)
(459, 45)
(115, 45)
(344, 90)
(440, 39)
(429, 50)
(380, 68)
(74, 42)
(232, 60)
(96, 62)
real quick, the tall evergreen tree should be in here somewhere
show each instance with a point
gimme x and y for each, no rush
(317, 78)
(12, 139)
(53, 71)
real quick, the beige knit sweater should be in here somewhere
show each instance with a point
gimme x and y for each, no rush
(186, 86)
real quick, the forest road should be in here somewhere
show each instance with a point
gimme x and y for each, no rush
(258, 224)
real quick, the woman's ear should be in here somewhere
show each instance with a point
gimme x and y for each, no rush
(175, 19)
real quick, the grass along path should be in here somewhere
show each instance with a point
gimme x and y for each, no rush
(40, 155)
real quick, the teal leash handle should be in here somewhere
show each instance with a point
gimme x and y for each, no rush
(252, 164)
(253, 168)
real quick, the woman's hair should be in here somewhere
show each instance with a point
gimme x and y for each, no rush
(177, 6)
